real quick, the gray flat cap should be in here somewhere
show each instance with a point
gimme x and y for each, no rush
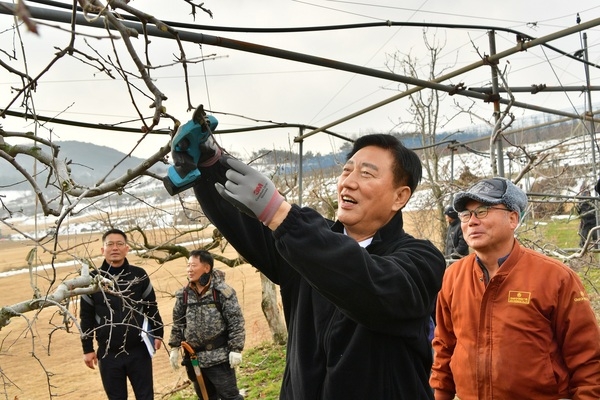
(493, 191)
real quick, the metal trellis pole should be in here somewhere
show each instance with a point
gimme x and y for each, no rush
(592, 127)
(300, 167)
(495, 96)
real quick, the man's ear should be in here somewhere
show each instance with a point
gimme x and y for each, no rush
(402, 194)
(515, 219)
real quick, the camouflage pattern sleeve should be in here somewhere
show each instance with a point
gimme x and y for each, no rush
(232, 313)
(178, 328)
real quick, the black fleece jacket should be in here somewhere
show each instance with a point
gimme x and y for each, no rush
(357, 317)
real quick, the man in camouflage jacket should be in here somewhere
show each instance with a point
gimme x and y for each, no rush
(208, 317)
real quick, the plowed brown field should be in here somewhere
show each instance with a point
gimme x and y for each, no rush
(46, 360)
(39, 359)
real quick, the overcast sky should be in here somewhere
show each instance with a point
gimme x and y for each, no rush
(264, 88)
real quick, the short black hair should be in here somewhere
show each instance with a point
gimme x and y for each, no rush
(407, 167)
(113, 231)
(204, 257)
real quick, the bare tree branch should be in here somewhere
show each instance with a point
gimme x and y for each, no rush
(83, 284)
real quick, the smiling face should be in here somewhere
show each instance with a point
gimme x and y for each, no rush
(115, 249)
(367, 198)
(493, 234)
(195, 269)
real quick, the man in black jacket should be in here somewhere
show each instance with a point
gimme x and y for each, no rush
(456, 247)
(125, 320)
(587, 219)
(357, 293)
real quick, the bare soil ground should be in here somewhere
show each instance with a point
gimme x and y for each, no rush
(40, 359)
(47, 360)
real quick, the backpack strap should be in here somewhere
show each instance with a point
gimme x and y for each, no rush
(216, 298)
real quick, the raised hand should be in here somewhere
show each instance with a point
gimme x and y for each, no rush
(249, 190)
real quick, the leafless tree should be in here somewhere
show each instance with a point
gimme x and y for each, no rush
(121, 59)
(50, 174)
(426, 122)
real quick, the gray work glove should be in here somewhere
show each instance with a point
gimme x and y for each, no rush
(174, 358)
(249, 190)
(235, 359)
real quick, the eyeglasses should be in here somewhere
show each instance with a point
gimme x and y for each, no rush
(480, 212)
(118, 244)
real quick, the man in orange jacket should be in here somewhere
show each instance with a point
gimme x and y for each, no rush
(511, 323)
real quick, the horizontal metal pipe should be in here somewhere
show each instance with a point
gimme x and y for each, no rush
(61, 16)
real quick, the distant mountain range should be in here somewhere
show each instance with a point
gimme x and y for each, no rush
(89, 163)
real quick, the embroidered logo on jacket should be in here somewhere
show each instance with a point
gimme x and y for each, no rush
(582, 297)
(518, 297)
